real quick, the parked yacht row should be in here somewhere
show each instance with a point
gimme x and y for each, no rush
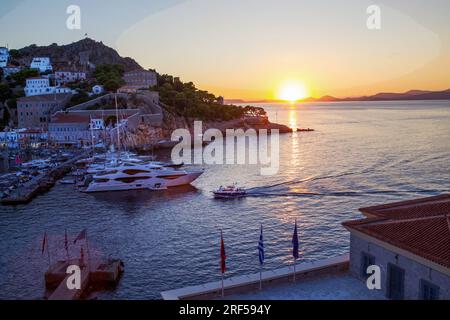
(127, 171)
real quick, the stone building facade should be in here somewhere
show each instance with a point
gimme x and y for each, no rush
(410, 242)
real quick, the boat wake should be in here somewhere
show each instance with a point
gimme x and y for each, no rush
(278, 190)
(344, 193)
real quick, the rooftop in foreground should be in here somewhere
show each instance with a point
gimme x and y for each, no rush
(419, 226)
(323, 279)
(333, 287)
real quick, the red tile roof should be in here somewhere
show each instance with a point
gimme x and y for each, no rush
(61, 117)
(83, 116)
(419, 226)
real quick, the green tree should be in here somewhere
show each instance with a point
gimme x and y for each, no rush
(21, 76)
(15, 54)
(112, 85)
(5, 92)
(110, 76)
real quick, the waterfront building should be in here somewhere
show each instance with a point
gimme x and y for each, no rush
(42, 64)
(9, 139)
(410, 242)
(35, 111)
(63, 77)
(33, 137)
(143, 79)
(80, 127)
(4, 57)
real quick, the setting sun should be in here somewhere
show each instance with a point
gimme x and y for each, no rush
(292, 91)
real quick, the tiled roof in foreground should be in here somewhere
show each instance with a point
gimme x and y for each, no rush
(418, 226)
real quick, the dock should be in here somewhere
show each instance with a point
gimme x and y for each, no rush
(98, 274)
(40, 184)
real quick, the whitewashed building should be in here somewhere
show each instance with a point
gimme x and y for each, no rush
(9, 139)
(42, 64)
(4, 57)
(98, 89)
(10, 70)
(68, 76)
(41, 86)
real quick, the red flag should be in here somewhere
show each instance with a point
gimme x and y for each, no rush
(81, 236)
(18, 160)
(223, 256)
(44, 241)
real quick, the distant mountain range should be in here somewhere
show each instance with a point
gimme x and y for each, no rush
(383, 96)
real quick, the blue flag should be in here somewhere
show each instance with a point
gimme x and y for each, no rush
(261, 248)
(295, 242)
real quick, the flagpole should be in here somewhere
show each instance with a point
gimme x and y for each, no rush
(222, 261)
(88, 253)
(223, 288)
(66, 246)
(260, 278)
(295, 263)
(48, 254)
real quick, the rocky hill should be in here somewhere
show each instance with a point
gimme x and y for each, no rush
(86, 53)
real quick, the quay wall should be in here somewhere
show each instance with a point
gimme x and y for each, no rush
(249, 283)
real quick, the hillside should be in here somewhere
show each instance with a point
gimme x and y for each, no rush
(86, 53)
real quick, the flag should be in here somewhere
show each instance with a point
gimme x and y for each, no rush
(223, 256)
(66, 242)
(261, 247)
(44, 242)
(18, 160)
(81, 236)
(295, 242)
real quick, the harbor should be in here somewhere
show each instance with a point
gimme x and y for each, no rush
(23, 193)
(169, 239)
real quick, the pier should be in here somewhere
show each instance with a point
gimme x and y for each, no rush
(97, 274)
(40, 184)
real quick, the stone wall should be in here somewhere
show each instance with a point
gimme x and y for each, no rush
(414, 271)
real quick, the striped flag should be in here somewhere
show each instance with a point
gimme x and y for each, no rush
(223, 256)
(81, 236)
(44, 243)
(295, 242)
(261, 247)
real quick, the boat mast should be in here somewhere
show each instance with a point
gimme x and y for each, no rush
(117, 126)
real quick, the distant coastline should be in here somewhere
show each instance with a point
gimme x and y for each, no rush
(383, 96)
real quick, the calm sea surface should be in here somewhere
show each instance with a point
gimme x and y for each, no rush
(370, 152)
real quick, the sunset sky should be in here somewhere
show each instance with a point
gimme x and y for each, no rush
(249, 48)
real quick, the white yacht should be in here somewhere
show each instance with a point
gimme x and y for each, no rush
(135, 177)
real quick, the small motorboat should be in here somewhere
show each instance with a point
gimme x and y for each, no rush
(230, 192)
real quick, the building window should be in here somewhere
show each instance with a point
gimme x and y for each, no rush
(366, 261)
(428, 291)
(395, 282)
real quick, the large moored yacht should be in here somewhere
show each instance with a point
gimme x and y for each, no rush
(135, 177)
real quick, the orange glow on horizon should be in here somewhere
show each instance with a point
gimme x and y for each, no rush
(292, 91)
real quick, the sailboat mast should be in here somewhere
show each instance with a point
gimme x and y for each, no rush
(117, 125)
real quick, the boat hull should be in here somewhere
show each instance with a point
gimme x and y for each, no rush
(153, 183)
